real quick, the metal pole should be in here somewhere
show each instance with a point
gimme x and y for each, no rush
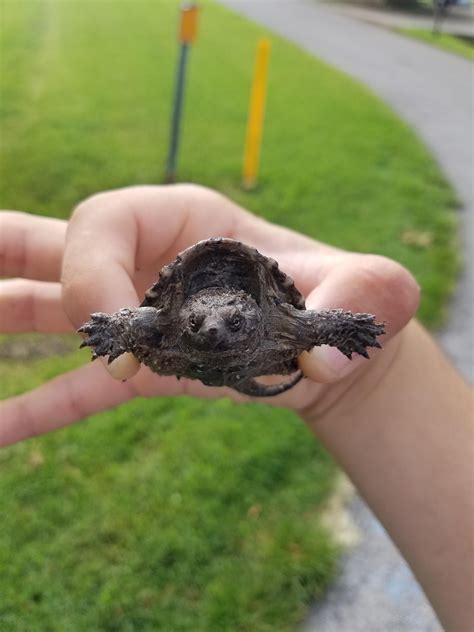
(176, 117)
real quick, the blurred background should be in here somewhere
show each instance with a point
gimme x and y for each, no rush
(175, 514)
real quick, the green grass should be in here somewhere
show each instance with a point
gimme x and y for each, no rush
(163, 516)
(178, 514)
(447, 42)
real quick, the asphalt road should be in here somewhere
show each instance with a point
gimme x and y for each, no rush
(432, 91)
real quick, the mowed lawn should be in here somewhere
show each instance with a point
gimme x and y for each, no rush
(180, 514)
(463, 46)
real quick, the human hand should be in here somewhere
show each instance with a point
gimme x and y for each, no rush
(111, 252)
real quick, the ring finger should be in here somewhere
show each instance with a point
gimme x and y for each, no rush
(27, 305)
(31, 247)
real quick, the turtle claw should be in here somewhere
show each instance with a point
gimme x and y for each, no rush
(362, 334)
(103, 336)
(363, 352)
(91, 325)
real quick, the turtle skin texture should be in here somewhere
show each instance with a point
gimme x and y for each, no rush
(224, 314)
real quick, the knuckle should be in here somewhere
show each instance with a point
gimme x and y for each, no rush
(198, 193)
(92, 204)
(12, 243)
(74, 286)
(192, 189)
(397, 284)
(380, 268)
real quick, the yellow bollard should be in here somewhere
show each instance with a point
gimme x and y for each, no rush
(253, 139)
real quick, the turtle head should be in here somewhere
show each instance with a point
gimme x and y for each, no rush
(217, 320)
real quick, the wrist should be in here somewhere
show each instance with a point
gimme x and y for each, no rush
(402, 431)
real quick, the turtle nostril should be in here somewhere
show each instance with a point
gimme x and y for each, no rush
(212, 331)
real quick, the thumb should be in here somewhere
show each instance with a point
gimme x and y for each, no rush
(98, 266)
(362, 283)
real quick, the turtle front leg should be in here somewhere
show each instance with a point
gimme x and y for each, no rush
(338, 328)
(129, 329)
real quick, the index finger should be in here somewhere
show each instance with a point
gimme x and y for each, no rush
(118, 241)
(99, 258)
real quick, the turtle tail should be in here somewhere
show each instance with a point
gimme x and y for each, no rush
(256, 389)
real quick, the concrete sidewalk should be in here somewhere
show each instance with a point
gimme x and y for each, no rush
(431, 90)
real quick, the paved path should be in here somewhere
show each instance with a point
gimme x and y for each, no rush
(376, 591)
(431, 90)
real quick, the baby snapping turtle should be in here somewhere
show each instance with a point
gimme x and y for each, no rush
(225, 314)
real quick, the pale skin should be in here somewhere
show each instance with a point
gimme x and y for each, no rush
(399, 424)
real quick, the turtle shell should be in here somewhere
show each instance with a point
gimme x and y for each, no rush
(222, 262)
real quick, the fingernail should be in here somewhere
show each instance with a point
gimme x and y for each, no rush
(124, 367)
(333, 359)
(324, 364)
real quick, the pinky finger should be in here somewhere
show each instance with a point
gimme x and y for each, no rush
(60, 402)
(27, 305)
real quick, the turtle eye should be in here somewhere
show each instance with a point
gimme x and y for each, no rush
(194, 323)
(235, 323)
